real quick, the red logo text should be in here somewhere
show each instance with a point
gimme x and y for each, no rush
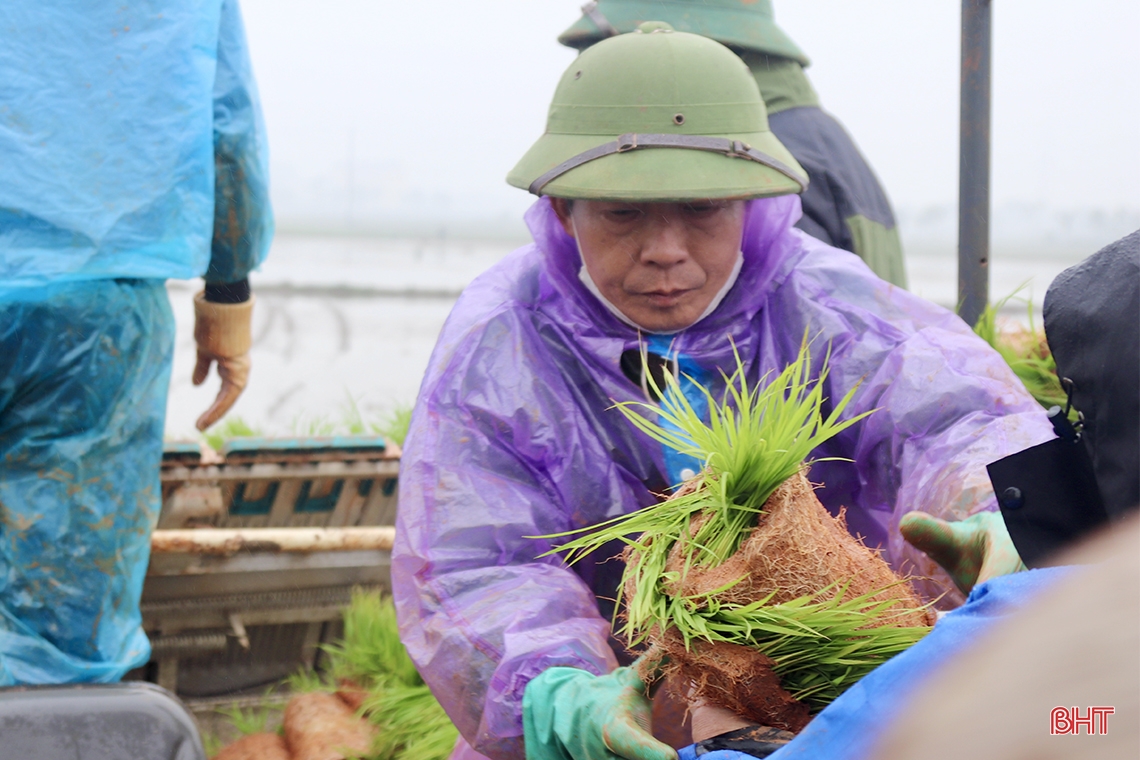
(1064, 721)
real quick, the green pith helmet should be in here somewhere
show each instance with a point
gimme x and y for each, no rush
(658, 115)
(744, 24)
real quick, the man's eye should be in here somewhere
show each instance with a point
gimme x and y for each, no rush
(702, 209)
(623, 214)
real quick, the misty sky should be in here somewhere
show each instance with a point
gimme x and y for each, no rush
(383, 110)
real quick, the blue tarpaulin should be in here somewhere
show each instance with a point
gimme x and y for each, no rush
(849, 727)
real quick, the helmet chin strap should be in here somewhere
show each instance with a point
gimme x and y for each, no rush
(588, 281)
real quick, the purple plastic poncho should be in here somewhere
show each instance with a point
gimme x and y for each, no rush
(514, 434)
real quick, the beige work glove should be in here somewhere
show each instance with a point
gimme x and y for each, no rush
(222, 332)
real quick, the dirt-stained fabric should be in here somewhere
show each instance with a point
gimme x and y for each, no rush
(84, 371)
(133, 150)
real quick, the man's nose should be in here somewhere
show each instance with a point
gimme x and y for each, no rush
(665, 244)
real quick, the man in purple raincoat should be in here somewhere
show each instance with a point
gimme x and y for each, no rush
(667, 225)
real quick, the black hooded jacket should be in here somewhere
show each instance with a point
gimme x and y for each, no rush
(1053, 494)
(1092, 322)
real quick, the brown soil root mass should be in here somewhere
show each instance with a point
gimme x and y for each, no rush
(797, 549)
(319, 726)
(256, 747)
(352, 694)
(736, 678)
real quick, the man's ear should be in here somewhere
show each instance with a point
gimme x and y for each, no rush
(562, 209)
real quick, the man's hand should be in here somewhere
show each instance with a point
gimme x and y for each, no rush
(222, 332)
(971, 551)
(569, 714)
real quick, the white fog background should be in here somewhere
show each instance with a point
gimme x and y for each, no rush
(393, 124)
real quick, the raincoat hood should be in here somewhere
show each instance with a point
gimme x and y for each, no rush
(1092, 321)
(766, 223)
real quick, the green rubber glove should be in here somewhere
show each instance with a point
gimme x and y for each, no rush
(971, 550)
(569, 714)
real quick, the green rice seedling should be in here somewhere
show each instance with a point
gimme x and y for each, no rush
(231, 427)
(1029, 357)
(305, 680)
(211, 743)
(316, 426)
(820, 645)
(371, 650)
(352, 420)
(411, 723)
(755, 439)
(253, 720)
(394, 426)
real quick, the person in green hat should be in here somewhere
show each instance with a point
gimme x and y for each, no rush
(845, 205)
(663, 229)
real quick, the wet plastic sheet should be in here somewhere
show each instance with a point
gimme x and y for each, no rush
(84, 372)
(111, 119)
(514, 435)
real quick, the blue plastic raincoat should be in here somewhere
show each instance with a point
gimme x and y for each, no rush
(84, 370)
(132, 150)
(113, 118)
(514, 435)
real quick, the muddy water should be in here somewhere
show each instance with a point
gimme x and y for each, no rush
(352, 321)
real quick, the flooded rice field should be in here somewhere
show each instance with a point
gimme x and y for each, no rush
(344, 326)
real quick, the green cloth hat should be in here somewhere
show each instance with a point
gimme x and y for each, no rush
(744, 24)
(658, 115)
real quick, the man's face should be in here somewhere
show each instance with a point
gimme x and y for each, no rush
(660, 264)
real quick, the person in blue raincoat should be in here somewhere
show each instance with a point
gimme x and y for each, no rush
(133, 150)
(666, 225)
(845, 205)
